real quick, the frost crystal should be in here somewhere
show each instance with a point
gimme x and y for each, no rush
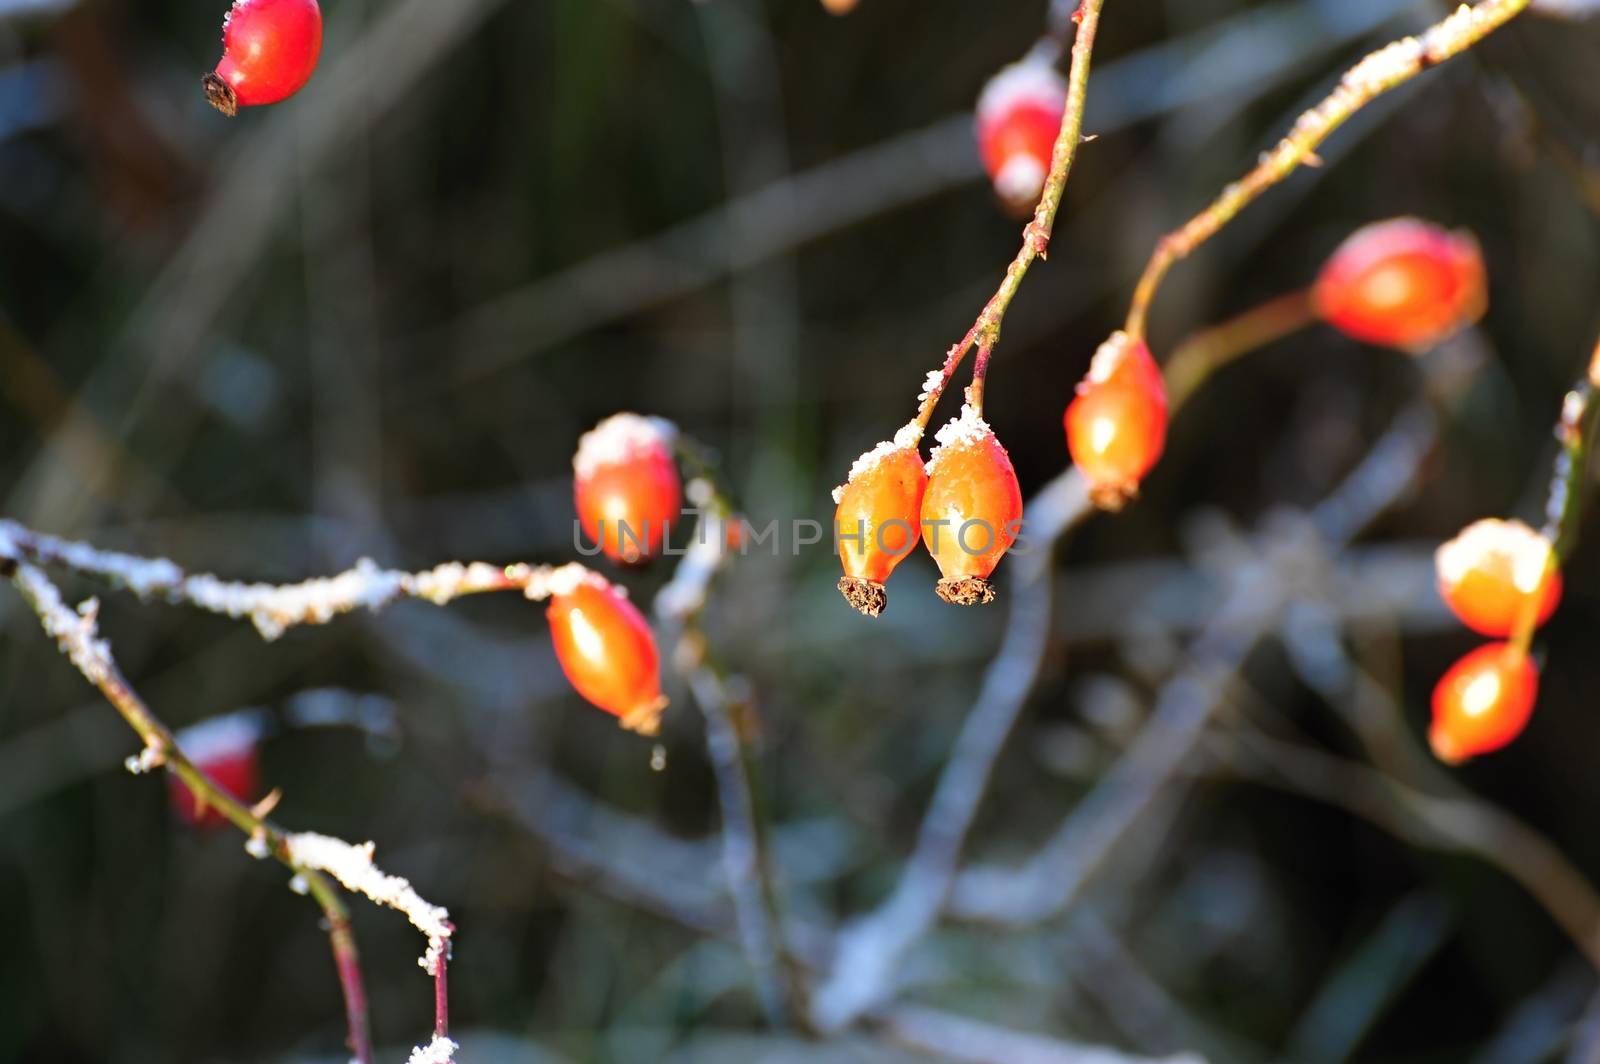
(931, 385)
(904, 440)
(1510, 548)
(1108, 358)
(963, 431)
(352, 866)
(1027, 80)
(618, 438)
(439, 1051)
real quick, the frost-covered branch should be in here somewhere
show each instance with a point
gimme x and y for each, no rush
(1387, 68)
(274, 609)
(312, 858)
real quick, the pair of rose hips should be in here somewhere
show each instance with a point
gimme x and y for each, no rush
(627, 491)
(965, 505)
(1401, 283)
(1497, 577)
(269, 51)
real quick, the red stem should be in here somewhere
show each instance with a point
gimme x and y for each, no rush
(348, 963)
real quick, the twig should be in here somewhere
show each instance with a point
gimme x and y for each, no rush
(746, 856)
(985, 332)
(1462, 825)
(1580, 417)
(967, 1041)
(1193, 361)
(1373, 76)
(1053, 878)
(272, 608)
(77, 635)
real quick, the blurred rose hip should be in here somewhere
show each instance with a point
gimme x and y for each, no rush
(1403, 283)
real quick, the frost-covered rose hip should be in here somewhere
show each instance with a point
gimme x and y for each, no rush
(226, 750)
(1494, 573)
(1019, 118)
(626, 486)
(1117, 423)
(1483, 702)
(269, 52)
(878, 519)
(972, 509)
(606, 648)
(1402, 283)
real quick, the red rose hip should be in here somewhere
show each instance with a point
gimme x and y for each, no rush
(1019, 118)
(269, 52)
(972, 509)
(606, 648)
(878, 519)
(626, 486)
(226, 750)
(1117, 423)
(1482, 702)
(1403, 283)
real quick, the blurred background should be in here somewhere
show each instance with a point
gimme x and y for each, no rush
(373, 321)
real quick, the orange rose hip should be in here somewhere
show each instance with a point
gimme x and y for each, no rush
(972, 509)
(606, 648)
(877, 522)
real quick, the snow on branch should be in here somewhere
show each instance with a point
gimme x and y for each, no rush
(352, 866)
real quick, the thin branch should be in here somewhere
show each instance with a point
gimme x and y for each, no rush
(1378, 73)
(273, 609)
(985, 332)
(968, 1041)
(746, 855)
(1462, 825)
(1054, 877)
(77, 635)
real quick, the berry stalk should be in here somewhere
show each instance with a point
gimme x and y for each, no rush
(1576, 428)
(985, 331)
(1194, 360)
(1387, 68)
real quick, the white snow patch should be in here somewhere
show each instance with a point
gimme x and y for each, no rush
(619, 438)
(1027, 79)
(904, 440)
(1508, 548)
(439, 1051)
(965, 430)
(352, 866)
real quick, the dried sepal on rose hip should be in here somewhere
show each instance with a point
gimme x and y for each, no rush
(269, 51)
(1403, 283)
(877, 520)
(1483, 702)
(228, 750)
(1019, 117)
(626, 486)
(971, 510)
(1117, 423)
(1494, 573)
(606, 648)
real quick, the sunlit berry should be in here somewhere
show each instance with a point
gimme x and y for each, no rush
(626, 486)
(1403, 283)
(606, 648)
(1019, 118)
(269, 52)
(226, 750)
(878, 519)
(971, 510)
(1494, 573)
(1117, 423)
(1483, 702)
